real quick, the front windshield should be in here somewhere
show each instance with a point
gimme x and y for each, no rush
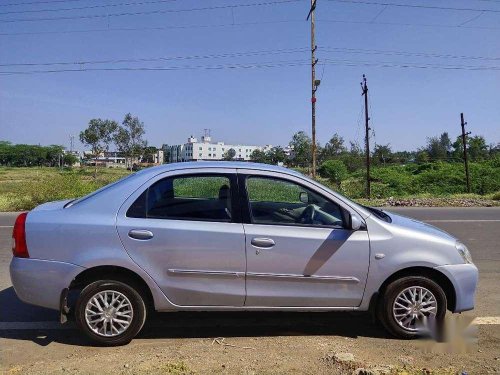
(349, 201)
(379, 213)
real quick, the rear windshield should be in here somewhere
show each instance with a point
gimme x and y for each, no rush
(116, 183)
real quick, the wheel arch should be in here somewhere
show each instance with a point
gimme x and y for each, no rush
(440, 278)
(118, 273)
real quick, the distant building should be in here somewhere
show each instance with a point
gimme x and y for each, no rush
(115, 159)
(193, 150)
(159, 157)
(110, 159)
(76, 154)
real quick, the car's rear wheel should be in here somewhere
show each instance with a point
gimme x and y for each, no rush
(110, 312)
(412, 306)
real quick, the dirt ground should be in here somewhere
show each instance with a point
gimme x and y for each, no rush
(251, 343)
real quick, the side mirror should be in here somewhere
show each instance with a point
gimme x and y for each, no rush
(304, 197)
(356, 222)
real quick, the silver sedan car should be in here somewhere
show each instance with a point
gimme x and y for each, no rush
(232, 236)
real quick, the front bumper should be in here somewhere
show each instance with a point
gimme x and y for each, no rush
(40, 282)
(464, 279)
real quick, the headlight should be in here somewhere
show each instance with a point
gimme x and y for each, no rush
(464, 252)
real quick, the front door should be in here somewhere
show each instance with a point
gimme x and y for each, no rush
(300, 250)
(185, 232)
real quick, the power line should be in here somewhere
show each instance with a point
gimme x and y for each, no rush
(435, 7)
(405, 53)
(270, 64)
(152, 28)
(388, 64)
(254, 53)
(39, 2)
(412, 24)
(87, 7)
(162, 11)
(261, 65)
(163, 58)
(201, 26)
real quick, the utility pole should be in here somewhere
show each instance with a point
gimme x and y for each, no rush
(364, 88)
(464, 142)
(314, 85)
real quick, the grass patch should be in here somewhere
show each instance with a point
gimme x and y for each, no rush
(175, 369)
(26, 188)
(432, 184)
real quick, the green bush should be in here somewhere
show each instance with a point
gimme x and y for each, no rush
(334, 170)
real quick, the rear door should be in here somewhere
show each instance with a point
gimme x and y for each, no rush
(300, 250)
(184, 229)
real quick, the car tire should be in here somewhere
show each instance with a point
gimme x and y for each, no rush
(110, 312)
(404, 287)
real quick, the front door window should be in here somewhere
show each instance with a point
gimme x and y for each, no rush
(282, 202)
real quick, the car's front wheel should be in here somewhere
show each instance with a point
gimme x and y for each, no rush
(412, 306)
(110, 312)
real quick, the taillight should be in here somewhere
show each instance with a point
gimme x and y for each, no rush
(19, 247)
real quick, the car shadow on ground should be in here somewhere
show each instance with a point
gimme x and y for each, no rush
(188, 324)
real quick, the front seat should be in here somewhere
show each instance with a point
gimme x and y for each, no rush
(225, 200)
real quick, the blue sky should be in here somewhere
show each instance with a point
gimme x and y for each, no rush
(256, 105)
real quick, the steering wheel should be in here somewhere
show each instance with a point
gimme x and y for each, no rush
(307, 216)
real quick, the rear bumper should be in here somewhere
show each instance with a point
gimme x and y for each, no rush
(464, 279)
(40, 282)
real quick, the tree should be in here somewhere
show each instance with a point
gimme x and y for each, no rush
(54, 155)
(382, 154)
(494, 150)
(276, 155)
(422, 156)
(333, 148)
(128, 138)
(259, 156)
(403, 157)
(444, 140)
(149, 154)
(301, 146)
(69, 159)
(354, 159)
(438, 147)
(334, 170)
(229, 154)
(98, 136)
(477, 149)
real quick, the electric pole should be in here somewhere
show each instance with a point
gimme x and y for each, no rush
(464, 142)
(364, 88)
(314, 85)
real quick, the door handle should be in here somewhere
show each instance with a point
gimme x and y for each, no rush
(140, 234)
(263, 242)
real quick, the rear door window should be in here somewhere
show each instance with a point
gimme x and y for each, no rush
(186, 197)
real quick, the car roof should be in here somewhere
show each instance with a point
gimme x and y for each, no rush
(218, 164)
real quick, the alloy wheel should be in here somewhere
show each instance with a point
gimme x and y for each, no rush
(109, 313)
(414, 307)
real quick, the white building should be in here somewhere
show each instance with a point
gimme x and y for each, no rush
(117, 159)
(159, 157)
(206, 150)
